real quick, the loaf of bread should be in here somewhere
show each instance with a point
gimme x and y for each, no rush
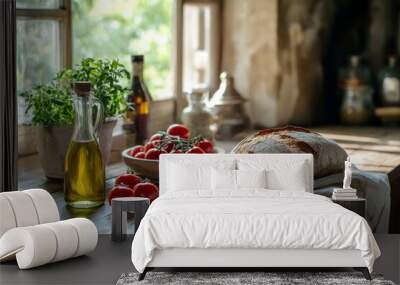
(329, 157)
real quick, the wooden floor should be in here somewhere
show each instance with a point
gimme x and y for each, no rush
(370, 148)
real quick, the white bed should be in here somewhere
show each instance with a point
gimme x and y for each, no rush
(194, 223)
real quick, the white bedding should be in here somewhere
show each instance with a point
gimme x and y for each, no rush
(252, 218)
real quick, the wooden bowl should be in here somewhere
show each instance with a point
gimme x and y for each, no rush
(147, 167)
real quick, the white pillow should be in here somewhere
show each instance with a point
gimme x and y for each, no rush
(281, 175)
(227, 179)
(293, 180)
(251, 178)
(187, 175)
(223, 179)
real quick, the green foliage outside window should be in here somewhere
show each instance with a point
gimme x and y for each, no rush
(120, 28)
(102, 29)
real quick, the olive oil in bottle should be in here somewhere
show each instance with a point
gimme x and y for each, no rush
(84, 179)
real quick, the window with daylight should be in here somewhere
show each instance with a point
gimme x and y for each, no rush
(43, 30)
(200, 45)
(119, 28)
(56, 34)
(101, 29)
(180, 43)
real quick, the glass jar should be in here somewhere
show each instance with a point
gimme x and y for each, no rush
(357, 104)
(389, 79)
(198, 117)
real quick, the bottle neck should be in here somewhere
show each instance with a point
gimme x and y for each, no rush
(137, 70)
(83, 126)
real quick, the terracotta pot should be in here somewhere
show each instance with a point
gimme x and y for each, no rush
(53, 144)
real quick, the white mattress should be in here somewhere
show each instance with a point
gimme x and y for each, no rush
(252, 219)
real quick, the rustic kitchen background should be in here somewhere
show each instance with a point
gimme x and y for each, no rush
(312, 63)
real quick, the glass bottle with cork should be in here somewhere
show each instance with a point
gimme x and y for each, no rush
(140, 98)
(84, 176)
(357, 102)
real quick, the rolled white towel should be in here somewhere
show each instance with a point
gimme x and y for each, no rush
(67, 240)
(46, 207)
(87, 235)
(26, 208)
(23, 209)
(40, 244)
(7, 218)
(32, 246)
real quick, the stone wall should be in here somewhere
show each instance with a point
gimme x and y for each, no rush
(250, 54)
(273, 49)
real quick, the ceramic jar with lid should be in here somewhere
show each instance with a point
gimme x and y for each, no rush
(197, 116)
(228, 107)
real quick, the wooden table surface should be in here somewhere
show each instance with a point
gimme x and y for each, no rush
(370, 148)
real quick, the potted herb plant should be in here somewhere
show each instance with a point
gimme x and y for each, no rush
(51, 108)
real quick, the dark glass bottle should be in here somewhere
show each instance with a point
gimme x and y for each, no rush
(389, 79)
(140, 99)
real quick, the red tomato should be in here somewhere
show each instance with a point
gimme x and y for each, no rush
(154, 153)
(206, 145)
(141, 154)
(147, 190)
(155, 137)
(178, 130)
(195, 149)
(129, 180)
(135, 150)
(169, 147)
(150, 145)
(120, 191)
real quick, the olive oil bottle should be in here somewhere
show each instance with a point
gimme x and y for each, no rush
(84, 179)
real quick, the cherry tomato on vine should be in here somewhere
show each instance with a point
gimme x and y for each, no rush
(195, 149)
(151, 145)
(147, 190)
(141, 154)
(120, 191)
(129, 180)
(206, 145)
(178, 130)
(155, 137)
(154, 153)
(136, 150)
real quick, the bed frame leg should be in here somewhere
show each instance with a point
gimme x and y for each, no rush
(364, 271)
(143, 274)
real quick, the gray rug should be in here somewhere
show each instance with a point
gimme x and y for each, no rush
(232, 278)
